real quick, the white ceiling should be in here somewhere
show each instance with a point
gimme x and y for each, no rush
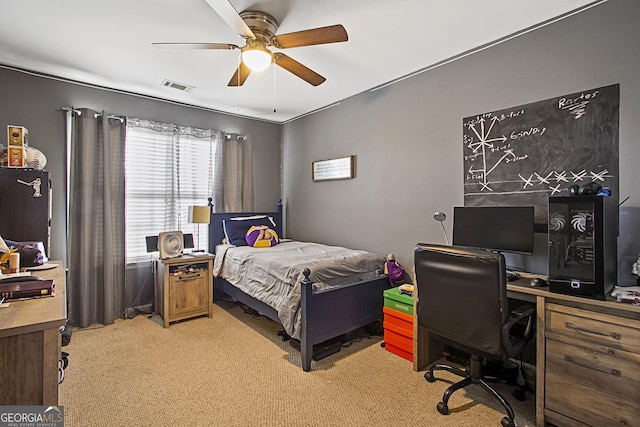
(109, 44)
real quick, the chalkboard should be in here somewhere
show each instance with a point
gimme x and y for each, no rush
(520, 156)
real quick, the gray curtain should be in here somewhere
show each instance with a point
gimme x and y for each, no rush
(96, 256)
(233, 189)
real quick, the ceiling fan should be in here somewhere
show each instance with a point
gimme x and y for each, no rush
(258, 29)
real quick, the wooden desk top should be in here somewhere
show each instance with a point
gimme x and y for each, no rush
(37, 314)
(522, 286)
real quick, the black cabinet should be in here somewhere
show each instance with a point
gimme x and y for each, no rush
(25, 206)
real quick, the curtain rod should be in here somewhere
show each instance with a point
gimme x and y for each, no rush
(123, 118)
(165, 127)
(71, 109)
(96, 115)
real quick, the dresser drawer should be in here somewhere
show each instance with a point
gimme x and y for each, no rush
(188, 295)
(590, 326)
(592, 385)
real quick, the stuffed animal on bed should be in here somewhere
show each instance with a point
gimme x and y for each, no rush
(261, 236)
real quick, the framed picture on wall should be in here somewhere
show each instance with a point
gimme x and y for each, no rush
(340, 168)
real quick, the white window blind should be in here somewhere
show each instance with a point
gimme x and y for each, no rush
(167, 169)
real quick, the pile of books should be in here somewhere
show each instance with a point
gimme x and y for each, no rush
(23, 285)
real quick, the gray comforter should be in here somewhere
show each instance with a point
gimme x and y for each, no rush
(273, 275)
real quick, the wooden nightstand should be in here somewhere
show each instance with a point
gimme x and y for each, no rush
(184, 287)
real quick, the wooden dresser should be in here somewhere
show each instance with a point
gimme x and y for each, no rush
(592, 371)
(30, 344)
(587, 361)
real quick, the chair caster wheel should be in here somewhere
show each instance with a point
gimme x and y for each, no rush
(519, 394)
(429, 377)
(444, 409)
(507, 422)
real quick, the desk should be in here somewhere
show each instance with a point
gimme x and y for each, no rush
(549, 307)
(30, 344)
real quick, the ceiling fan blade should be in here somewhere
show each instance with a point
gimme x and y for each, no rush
(294, 67)
(231, 16)
(240, 75)
(223, 46)
(331, 34)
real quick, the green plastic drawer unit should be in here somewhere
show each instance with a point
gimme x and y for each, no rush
(397, 301)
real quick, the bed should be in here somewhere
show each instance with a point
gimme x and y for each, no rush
(320, 293)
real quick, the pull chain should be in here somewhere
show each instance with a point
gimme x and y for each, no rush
(238, 76)
(274, 85)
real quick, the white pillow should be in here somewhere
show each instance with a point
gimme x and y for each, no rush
(243, 218)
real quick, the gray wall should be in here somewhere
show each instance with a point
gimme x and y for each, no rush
(36, 102)
(407, 138)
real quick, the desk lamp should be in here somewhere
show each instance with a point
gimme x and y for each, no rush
(440, 217)
(199, 215)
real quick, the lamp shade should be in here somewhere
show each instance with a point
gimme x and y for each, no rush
(199, 214)
(257, 58)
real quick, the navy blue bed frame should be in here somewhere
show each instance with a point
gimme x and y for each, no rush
(325, 314)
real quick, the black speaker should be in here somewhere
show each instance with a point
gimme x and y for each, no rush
(152, 243)
(583, 254)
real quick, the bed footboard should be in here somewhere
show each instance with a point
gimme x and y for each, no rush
(332, 312)
(326, 314)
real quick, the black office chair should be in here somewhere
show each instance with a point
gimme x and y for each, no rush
(462, 301)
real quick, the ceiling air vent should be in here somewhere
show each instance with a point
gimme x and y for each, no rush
(176, 85)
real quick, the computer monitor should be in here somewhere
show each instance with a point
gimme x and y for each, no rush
(497, 228)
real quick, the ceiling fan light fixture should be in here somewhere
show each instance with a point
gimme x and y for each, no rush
(258, 30)
(257, 58)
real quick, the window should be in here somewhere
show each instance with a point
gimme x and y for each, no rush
(167, 169)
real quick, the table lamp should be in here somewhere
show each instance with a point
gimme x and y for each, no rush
(199, 215)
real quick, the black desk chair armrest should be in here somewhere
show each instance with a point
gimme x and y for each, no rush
(513, 345)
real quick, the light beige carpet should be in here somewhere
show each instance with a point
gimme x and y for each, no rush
(233, 370)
